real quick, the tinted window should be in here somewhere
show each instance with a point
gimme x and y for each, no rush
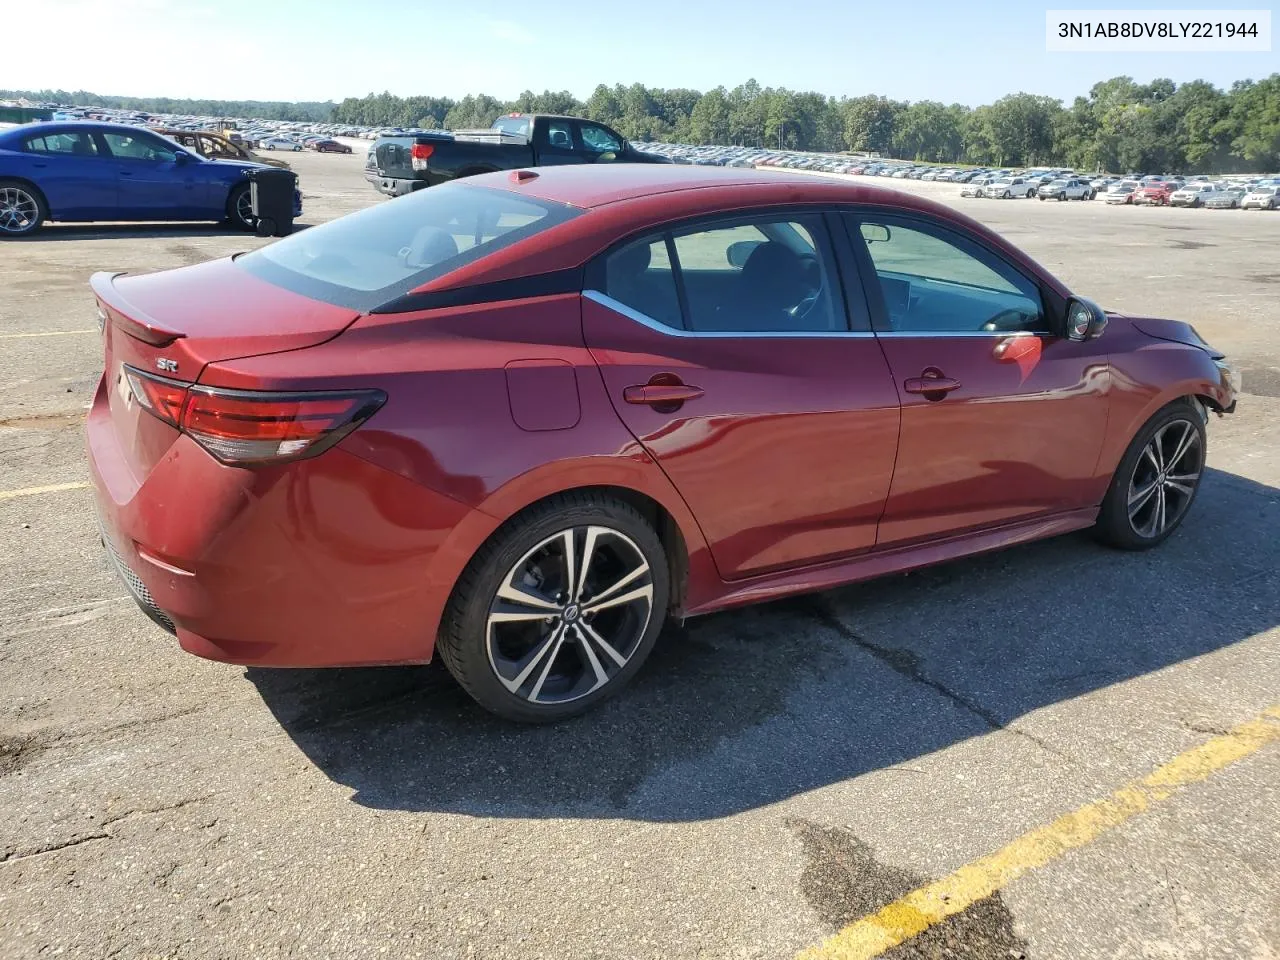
(936, 281)
(130, 146)
(640, 276)
(599, 139)
(72, 144)
(762, 275)
(559, 135)
(372, 256)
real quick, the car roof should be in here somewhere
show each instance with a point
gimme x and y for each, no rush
(596, 185)
(67, 126)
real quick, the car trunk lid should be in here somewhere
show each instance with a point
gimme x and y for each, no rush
(173, 324)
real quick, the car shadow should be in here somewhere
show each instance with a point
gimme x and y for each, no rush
(746, 708)
(53, 232)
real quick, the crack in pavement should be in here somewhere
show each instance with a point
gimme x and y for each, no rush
(907, 664)
(16, 855)
(13, 856)
(146, 812)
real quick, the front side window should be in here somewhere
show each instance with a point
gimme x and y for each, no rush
(936, 281)
(374, 255)
(72, 144)
(598, 139)
(764, 275)
(131, 146)
(560, 135)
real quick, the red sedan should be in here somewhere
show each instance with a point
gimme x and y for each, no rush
(523, 418)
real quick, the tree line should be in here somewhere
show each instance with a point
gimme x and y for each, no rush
(1120, 126)
(306, 111)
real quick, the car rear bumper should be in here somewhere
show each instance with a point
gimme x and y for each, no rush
(323, 562)
(392, 186)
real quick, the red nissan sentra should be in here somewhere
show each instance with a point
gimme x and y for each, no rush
(523, 418)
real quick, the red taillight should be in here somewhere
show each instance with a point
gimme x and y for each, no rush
(158, 396)
(418, 155)
(251, 426)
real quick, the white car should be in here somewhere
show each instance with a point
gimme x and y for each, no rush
(1261, 198)
(1066, 189)
(971, 189)
(1192, 195)
(279, 143)
(1007, 187)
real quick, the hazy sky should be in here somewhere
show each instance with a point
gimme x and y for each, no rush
(329, 49)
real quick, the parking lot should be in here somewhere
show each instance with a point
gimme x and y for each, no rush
(983, 733)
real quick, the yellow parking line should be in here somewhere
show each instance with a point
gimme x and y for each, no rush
(47, 333)
(921, 909)
(36, 491)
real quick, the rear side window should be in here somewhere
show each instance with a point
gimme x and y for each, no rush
(758, 275)
(367, 258)
(71, 144)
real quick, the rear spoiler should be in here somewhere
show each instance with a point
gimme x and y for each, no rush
(148, 331)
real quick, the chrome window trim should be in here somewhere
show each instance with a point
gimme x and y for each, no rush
(645, 320)
(954, 334)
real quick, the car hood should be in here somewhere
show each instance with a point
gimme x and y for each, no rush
(244, 165)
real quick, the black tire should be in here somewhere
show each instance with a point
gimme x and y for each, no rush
(238, 215)
(23, 209)
(265, 227)
(471, 644)
(1041, 199)
(1127, 529)
(1061, 197)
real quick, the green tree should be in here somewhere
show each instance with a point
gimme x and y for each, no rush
(868, 123)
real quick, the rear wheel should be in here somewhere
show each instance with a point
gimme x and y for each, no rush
(558, 611)
(1156, 481)
(22, 209)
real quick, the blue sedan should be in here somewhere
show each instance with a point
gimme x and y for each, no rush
(83, 172)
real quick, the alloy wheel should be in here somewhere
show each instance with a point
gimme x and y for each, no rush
(244, 207)
(569, 615)
(19, 210)
(1165, 478)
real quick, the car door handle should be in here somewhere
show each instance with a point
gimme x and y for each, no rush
(661, 394)
(928, 385)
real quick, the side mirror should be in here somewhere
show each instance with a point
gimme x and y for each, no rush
(182, 157)
(875, 232)
(1085, 319)
(738, 253)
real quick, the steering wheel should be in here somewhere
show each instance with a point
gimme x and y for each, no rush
(1006, 321)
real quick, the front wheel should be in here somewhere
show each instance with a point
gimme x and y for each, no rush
(1061, 197)
(1156, 481)
(558, 611)
(240, 208)
(22, 209)
(1006, 195)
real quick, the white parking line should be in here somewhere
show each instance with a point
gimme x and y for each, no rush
(46, 333)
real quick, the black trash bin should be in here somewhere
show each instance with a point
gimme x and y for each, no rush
(271, 195)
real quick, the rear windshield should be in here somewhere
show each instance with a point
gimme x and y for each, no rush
(516, 125)
(366, 258)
